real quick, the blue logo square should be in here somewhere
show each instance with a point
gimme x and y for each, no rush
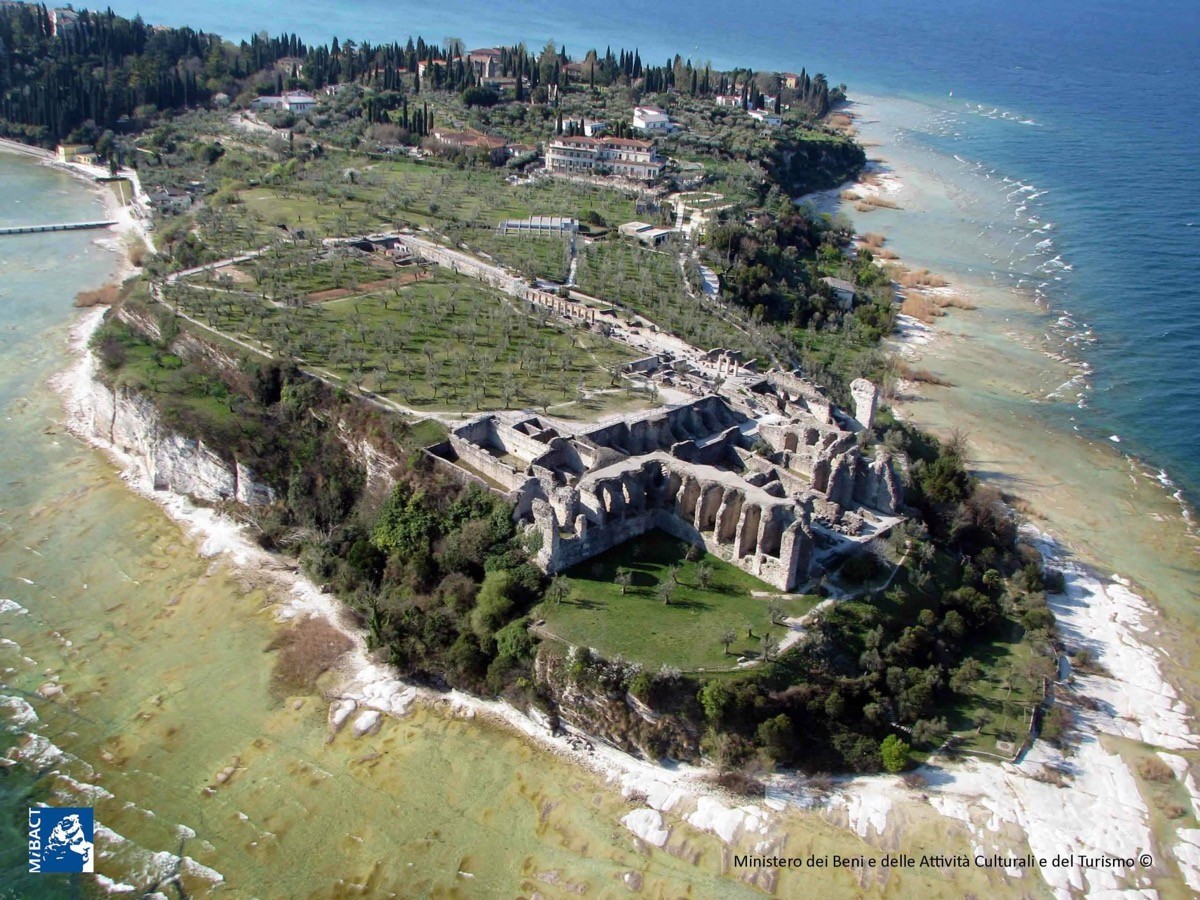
(62, 839)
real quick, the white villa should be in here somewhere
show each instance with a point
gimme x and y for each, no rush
(626, 157)
(649, 235)
(767, 118)
(651, 118)
(298, 102)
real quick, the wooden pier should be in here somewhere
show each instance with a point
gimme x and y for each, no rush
(61, 226)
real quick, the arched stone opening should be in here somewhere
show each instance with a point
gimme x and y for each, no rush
(772, 536)
(751, 518)
(709, 504)
(727, 518)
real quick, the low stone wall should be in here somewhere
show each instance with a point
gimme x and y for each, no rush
(479, 459)
(490, 431)
(645, 364)
(558, 305)
(447, 467)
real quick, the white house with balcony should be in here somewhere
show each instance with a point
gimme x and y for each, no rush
(626, 157)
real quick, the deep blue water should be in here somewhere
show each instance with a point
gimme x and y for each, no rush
(1111, 86)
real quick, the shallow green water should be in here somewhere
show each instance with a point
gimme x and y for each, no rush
(1019, 391)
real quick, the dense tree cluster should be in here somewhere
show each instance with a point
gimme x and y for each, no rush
(772, 266)
(104, 69)
(435, 569)
(106, 72)
(441, 580)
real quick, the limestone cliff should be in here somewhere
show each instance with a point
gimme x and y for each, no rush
(616, 716)
(169, 461)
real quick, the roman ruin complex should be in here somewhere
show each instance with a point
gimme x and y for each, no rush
(768, 477)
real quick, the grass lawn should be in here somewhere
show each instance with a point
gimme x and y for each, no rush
(651, 283)
(1003, 711)
(121, 189)
(322, 201)
(637, 626)
(283, 273)
(312, 213)
(424, 433)
(622, 272)
(433, 192)
(606, 403)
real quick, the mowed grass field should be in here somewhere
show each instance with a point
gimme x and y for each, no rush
(437, 192)
(442, 342)
(637, 626)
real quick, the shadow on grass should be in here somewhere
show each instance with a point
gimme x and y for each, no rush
(685, 603)
(587, 603)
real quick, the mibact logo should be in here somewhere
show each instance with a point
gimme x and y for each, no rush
(62, 840)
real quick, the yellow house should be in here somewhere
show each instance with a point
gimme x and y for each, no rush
(80, 153)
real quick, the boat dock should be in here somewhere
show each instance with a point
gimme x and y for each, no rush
(61, 226)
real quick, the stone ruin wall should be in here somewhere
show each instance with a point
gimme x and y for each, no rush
(658, 430)
(590, 492)
(763, 535)
(565, 308)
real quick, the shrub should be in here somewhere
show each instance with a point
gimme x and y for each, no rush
(1055, 581)
(493, 604)
(641, 685)
(894, 753)
(514, 640)
(480, 96)
(945, 480)
(1055, 724)
(1154, 769)
(775, 737)
(714, 698)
